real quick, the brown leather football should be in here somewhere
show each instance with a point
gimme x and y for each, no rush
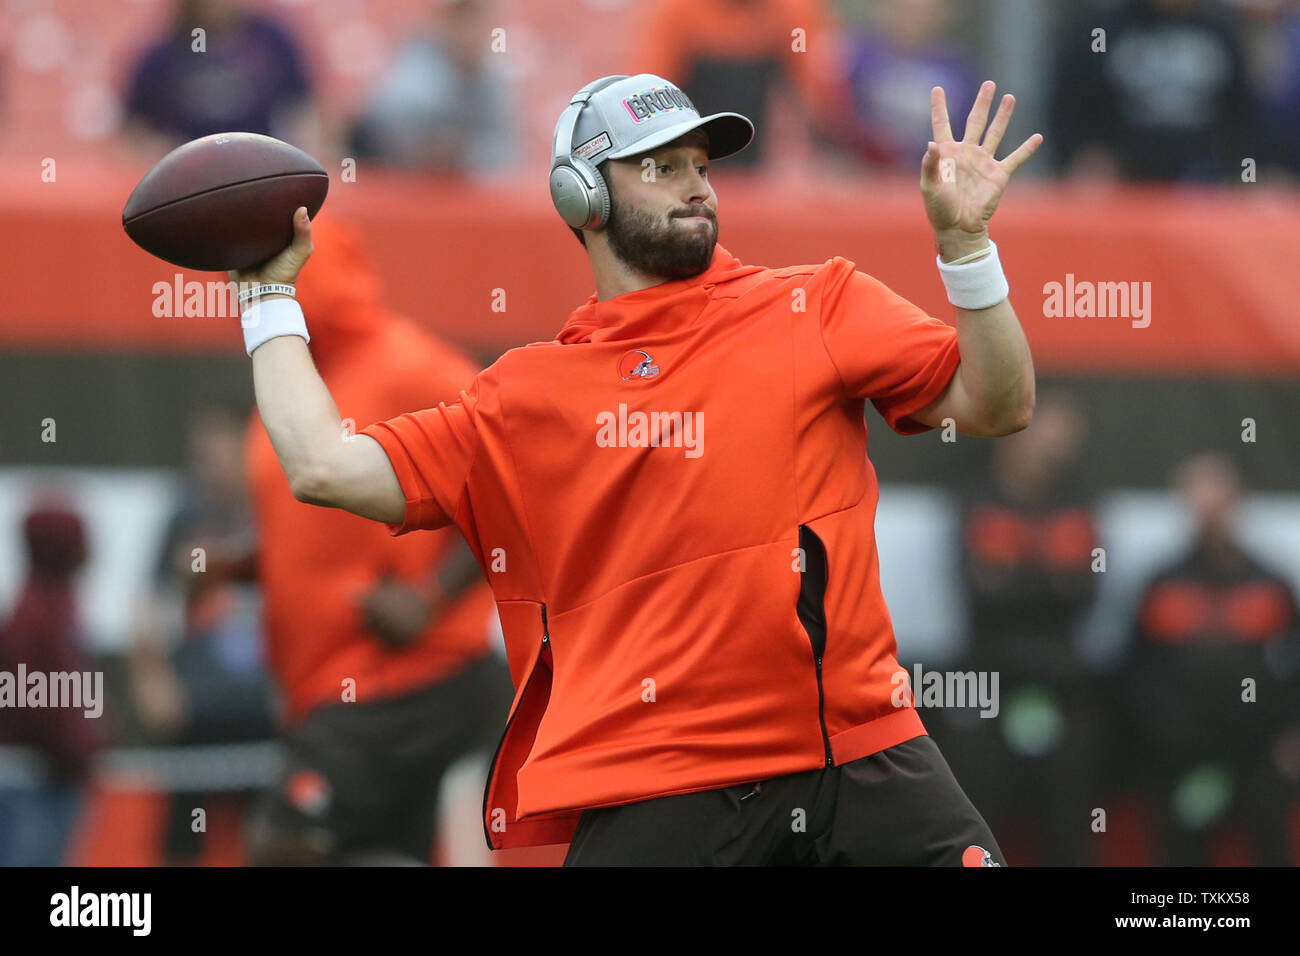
(224, 201)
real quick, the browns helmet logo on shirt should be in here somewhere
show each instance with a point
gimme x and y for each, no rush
(636, 364)
(977, 856)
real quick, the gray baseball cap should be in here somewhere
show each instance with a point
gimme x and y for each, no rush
(629, 115)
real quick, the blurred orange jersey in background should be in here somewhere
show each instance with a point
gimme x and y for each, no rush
(315, 565)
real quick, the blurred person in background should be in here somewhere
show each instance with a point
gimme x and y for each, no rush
(890, 69)
(249, 77)
(1274, 44)
(1027, 540)
(380, 644)
(443, 104)
(1211, 686)
(38, 813)
(736, 55)
(1168, 100)
(196, 661)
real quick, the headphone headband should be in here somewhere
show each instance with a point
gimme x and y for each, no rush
(577, 188)
(562, 148)
(563, 145)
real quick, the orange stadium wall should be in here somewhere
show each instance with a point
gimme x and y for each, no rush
(1218, 268)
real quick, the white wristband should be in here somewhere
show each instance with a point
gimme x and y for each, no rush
(975, 285)
(270, 318)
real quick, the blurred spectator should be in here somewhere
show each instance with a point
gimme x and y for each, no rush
(1169, 99)
(1027, 556)
(444, 103)
(731, 55)
(890, 72)
(379, 643)
(1209, 750)
(1275, 69)
(248, 77)
(196, 663)
(38, 814)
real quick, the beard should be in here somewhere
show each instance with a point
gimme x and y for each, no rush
(658, 246)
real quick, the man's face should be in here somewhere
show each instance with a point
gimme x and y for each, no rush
(1211, 489)
(663, 212)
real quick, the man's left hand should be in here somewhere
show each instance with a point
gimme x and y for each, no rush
(396, 612)
(962, 181)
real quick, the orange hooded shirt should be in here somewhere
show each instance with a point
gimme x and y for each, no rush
(675, 508)
(315, 564)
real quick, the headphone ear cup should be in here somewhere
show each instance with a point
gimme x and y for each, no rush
(571, 195)
(601, 199)
(597, 192)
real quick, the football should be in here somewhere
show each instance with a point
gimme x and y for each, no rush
(223, 201)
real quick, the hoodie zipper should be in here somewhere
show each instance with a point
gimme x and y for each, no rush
(487, 789)
(821, 715)
(811, 609)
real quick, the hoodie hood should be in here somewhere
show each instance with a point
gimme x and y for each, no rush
(339, 289)
(656, 309)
